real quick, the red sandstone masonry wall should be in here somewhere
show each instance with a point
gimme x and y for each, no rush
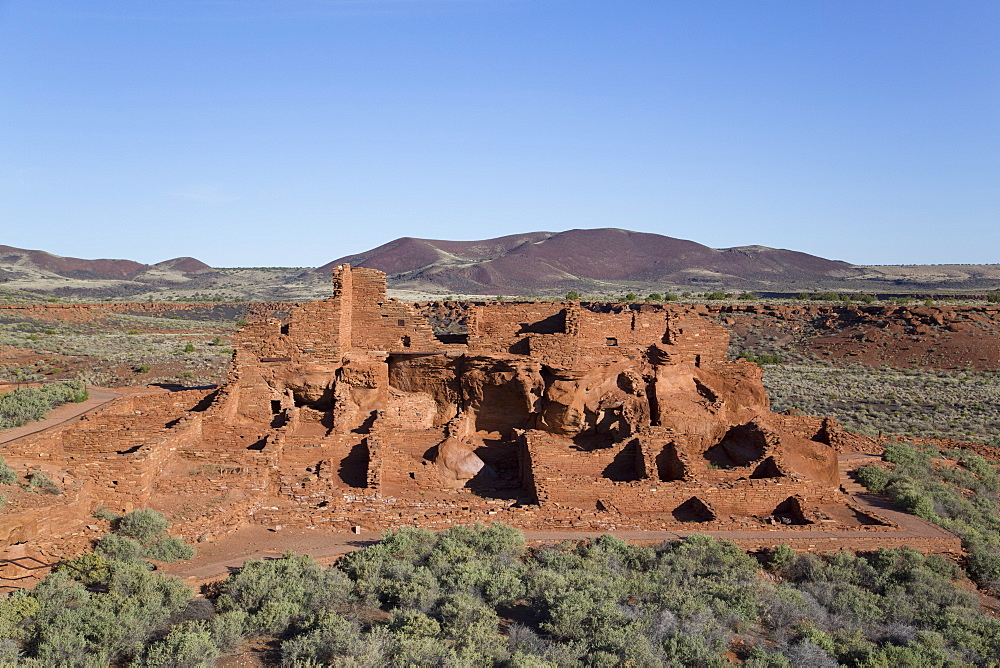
(566, 477)
(498, 327)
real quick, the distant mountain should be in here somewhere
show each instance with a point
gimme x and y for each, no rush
(34, 265)
(545, 261)
(597, 263)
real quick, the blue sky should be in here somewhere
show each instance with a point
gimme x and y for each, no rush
(292, 132)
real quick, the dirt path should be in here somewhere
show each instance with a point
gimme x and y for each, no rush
(62, 414)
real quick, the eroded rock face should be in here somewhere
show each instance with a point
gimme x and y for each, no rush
(609, 398)
(310, 384)
(502, 394)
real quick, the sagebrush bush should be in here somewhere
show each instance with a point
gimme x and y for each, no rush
(62, 623)
(963, 498)
(422, 598)
(188, 645)
(874, 478)
(41, 481)
(8, 476)
(29, 404)
(169, 548)
(118, 548)
(143, 525)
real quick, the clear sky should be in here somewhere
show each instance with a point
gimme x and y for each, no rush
(292, 132)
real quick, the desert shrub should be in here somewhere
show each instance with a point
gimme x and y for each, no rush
(412, 568)
(761, 358)
(654, 297)
(228, 629)
(964, 500)
(322, 640)
(993, 297)
(715, 295)
(169, 549)
(41, 481)
(29, 404)
(16, 610)
(103, 513)
(572, 294)
(10, 653)
(747, 295)
(8, 476)
(424, 598)
(188, 645)
(118, 548)
(69, 625)
(874, 478)
(140, 535)
(189, 348)
(143, 525)
(89, 569)
(277, 593)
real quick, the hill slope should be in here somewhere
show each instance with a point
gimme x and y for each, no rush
(543, 261)
(38, 270)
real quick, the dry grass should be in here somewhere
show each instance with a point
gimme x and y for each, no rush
(119, 350)
(913, 402)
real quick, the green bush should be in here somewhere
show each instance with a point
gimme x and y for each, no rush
(8, 476)
(437, 598)
(89, 569)
(189, 348)
(41, 481)
(29, 404)
(874, 478)
(118, 548)
(715, 295)
(277, 593)
(572, 295)
(169, 549)
(103, 513)
(67, 625)
(761, 358)
(143, 525)
(188, 645)
(964, 500)
(993, 297)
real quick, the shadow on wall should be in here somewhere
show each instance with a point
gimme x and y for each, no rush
(741, 446)
(694, 510)
(353, 470)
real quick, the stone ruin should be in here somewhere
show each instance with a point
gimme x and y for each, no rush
(349, 411)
